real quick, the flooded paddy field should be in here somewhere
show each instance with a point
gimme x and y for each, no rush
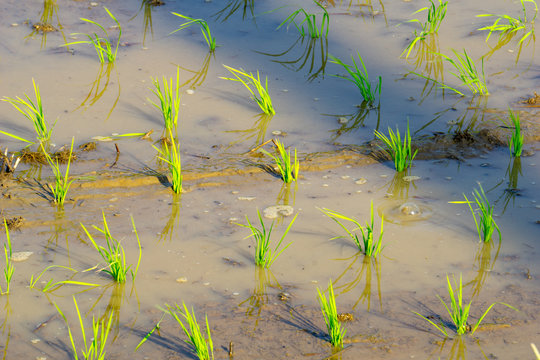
(192, 249)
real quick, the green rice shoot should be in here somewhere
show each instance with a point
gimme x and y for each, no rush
(535, 350)
(33, 111)
(367, 244)
(264, 255)
(507, 25)
(485, 223)
(9, 269)
(286, 166)
(93, 347)
(102, 45)
(329, 310)
(113, 254)
(515, 142)
(435, 16)
(360, 78)
(205, 30)
(202, 345)
(51, 285)
(171, 156)
(259, 92)
(310, 20)
(400, 150)
(61, 181)
(168, 95)
(458, 311)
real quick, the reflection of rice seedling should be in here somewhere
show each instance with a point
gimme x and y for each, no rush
(263, 98)
(169, 100)
(314, 30)
(369, 246)
(61, 182)
(466, 72)
(172, 158)
(33, 111)
(9, 268)
(400, 151)
(264, 256)
(359, 78)
(513, 25)
(211, 41)
(459, 312)
(233, 6)
(329, 310)
(202, 345)
(434, 19)
(485, 225)
(102, 45)
(264, 279)
(287, 168)
(52, 285)
(114, 254)
(515, 143)
(93, 347)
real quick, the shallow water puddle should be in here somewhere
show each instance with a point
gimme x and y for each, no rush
(193, 249)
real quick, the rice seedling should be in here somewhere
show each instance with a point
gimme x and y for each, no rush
(93, 347)
(52, 285)
(169, 100)
(172, 157)
(435, 16)
(9, 268)
(399, 150)
(535, 350)
(369, 246)
(287, 168)
(61, 182)
(485, 224)
(264, 256)
(466, 72)
(329, 310)
(512, 24)
(260, 92)
(515, 142)
(459, 312)
(205, 30)
(201, 344)
(310, 20)
(360, 78)
(33, 111)
(114, 254)
(102, 45)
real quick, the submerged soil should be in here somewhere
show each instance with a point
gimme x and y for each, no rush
(192, 248)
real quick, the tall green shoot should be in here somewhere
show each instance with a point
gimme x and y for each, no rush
(458, 311)
(287, 167)
(264, 255)
(368, 244)
(61, 181)
(172, 157)
(485, 224)
(360, 78)
(205, 30)
(435, 16)
(260, 92)
(310, 20)
(93, 347)
(114, 254)
(33, 111)
(515, 142)
(400, 150)
(9, 268)
(330, 314)
(102, 45)
(169, 100)
(201, 344)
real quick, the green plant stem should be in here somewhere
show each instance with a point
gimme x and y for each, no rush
(329, 311)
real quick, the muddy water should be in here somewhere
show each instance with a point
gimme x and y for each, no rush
(192, 249)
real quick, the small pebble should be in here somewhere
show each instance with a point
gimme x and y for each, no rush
(384, 176)
(93, 3)
(14, 24)
(360, 181)
(345, 177)
(274, 211)
(285, 90)
(411, 178)
(190, 91)
(21, 256)
(342, 120)
(246, 198)
(325, 185)
(234, 192)
(181, 280)
(276, 133)
(113, 199)
(236, 293)
(448, 178)
(35, 341)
